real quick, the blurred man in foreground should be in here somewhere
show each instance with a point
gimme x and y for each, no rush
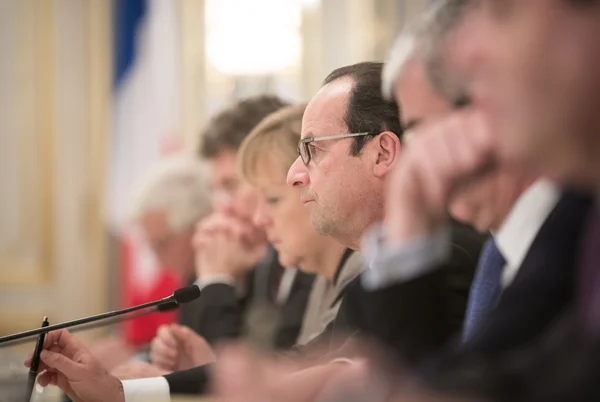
(524, 280)
(532, 67)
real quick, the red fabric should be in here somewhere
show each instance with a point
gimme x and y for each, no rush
(141, 331)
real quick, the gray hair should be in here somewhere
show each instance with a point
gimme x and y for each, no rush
(426, 37)
(177, 185)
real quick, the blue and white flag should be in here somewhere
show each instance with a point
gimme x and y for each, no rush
(147, 97)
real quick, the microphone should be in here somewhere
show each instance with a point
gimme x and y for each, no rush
(161, 308)
(183, 295)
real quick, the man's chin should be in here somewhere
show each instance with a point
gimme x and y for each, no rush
(319, 226)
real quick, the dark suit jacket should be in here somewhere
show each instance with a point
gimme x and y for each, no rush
(541, 354)
(196, 380)
(528, 348)
(561, 366)
(221, 314)
(544, 285)
(418, 317)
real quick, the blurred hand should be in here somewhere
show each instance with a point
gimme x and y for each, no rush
(436, 163)
(72, 368)
(133, 370)
(227, 245)
(177, 348)
(112, 351)
(241, 376)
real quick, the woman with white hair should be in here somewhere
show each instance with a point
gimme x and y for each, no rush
(170, 201)
(172, 197)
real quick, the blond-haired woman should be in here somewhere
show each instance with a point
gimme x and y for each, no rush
(264, 159)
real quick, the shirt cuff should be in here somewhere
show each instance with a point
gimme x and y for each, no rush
(387, 265)
(214, 279)
(146, 390)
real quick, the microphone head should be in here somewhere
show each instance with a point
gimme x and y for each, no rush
(187, 294)
(163, 308)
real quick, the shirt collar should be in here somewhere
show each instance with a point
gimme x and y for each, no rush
(347, 253)
(524, 221)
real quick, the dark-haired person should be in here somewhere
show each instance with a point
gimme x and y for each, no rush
(351, 139)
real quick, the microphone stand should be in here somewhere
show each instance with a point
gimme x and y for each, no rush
(161, 308)
(182, 295)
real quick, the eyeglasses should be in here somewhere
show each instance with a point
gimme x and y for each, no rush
(304, 150)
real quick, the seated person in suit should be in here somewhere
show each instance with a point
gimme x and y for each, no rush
(172, 197)
(512, 204)
(263, 160)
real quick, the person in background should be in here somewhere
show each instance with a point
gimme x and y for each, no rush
(172, 197)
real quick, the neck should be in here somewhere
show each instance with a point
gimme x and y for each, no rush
(522, 186)
(326, 260)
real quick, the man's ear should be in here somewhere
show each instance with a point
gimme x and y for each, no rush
(388, 147)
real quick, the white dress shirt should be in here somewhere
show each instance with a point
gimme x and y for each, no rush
(388, 266)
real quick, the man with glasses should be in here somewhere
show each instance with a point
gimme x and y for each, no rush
(351, 140)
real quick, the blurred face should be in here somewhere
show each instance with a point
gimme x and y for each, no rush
(173, 250)
(485, 202)
(339, 191)
(534, 69)
(284, 219)
(228, 190)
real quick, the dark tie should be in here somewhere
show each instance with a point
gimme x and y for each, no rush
(485, 288)
(590, 277)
